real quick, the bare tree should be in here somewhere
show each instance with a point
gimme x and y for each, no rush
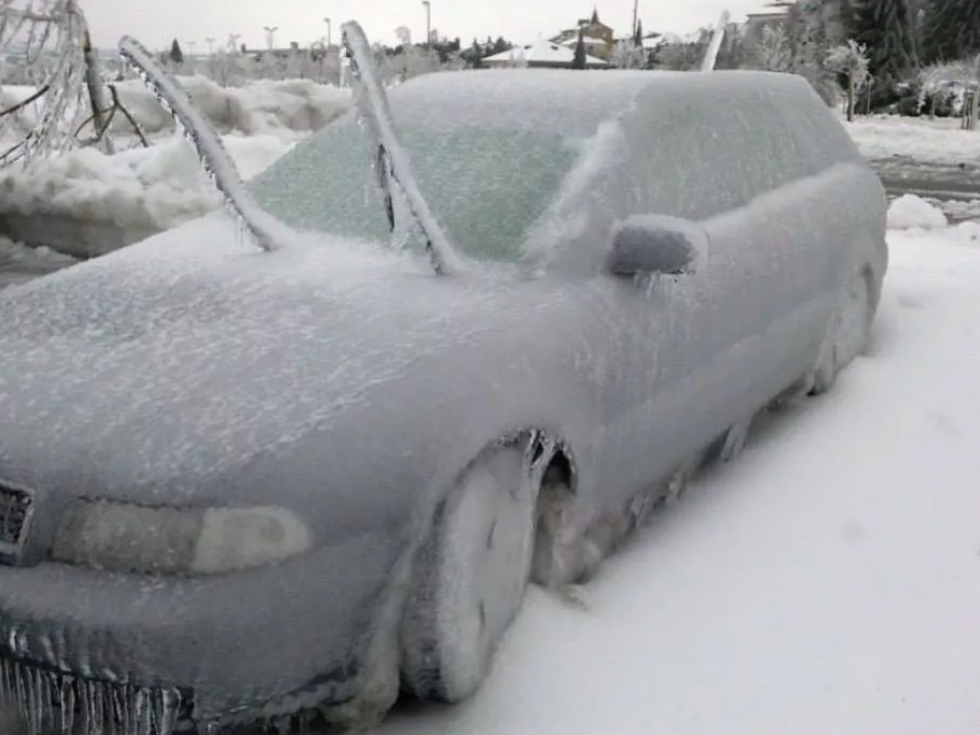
(849, 60)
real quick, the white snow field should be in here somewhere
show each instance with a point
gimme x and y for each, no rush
(827, 581)
(937, 142)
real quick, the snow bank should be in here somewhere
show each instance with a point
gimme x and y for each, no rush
(264, 106)
(138, 192)
(967, 233)
(20, 264)
(939, 141)
(910, 212)
(41, 257)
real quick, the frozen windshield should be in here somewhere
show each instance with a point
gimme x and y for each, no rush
(486, 185)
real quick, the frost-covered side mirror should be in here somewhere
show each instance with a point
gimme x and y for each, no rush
(656, 244)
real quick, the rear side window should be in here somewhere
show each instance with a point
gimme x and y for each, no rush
(710, 148)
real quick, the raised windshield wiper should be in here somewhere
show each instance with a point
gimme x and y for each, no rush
(269, 233)
(717, 36)
(394, 168)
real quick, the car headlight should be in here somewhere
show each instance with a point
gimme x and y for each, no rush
(132, 538)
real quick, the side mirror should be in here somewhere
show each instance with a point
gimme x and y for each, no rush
(656, 244)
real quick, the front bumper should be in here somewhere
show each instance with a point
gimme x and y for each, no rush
(225, 648)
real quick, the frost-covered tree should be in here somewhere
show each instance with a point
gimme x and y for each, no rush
(578, 60)
(45, 46)
(951, 30)
(625, 55)
(176, 54)
(225, 67)
(772, 52)
(884, 28)
(850, 62)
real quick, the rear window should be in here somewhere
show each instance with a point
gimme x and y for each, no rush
(486, 186)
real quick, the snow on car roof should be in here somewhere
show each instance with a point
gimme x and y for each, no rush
(569, 103)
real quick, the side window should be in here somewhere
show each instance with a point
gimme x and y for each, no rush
(701, 151)
(688, 154)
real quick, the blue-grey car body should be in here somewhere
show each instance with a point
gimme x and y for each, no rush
(350, 385)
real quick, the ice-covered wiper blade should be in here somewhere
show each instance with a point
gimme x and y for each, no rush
(372, 104)
(269, 232)
(711, 55)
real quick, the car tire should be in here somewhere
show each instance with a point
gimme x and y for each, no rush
(470, 579)
(847, 335)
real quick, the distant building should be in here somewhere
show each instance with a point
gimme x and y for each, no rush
(541, 55)
(596, 35)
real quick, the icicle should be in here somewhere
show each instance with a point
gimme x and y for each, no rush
(143, 712)
(67, 706)
(165, 710)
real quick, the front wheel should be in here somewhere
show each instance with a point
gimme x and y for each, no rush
(470, 579)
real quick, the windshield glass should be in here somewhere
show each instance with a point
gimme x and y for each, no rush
(485, 185)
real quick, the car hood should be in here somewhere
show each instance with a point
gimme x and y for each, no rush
(188, 355)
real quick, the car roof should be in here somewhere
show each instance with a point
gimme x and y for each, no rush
(566, 102)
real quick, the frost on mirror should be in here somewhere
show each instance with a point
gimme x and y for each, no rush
(269, 233)
(395, 168)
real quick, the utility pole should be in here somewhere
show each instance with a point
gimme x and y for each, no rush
(210, 42)
(233, 42)
(190, 46)
(329, 28)
(270, 32)
(636, 4)
(428, 22)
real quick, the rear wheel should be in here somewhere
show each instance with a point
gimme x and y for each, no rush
(847, 335)
(470, 579)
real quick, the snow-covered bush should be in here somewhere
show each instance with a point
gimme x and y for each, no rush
(943, 88)
(627, 55)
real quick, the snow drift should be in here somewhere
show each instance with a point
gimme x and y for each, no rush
(264, 106)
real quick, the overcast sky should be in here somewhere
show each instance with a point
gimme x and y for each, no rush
(156, 22)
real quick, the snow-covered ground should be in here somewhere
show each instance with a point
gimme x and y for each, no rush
(939, 141)
(828, 581)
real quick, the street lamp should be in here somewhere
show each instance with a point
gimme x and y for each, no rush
(270, 35)
(428, 22)
(327, 21)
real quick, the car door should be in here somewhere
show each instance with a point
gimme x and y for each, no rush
(703, 351)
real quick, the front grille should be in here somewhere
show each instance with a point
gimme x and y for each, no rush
(42, 700)
(16, 507)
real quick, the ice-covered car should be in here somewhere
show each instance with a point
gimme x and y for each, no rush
(241, 484)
